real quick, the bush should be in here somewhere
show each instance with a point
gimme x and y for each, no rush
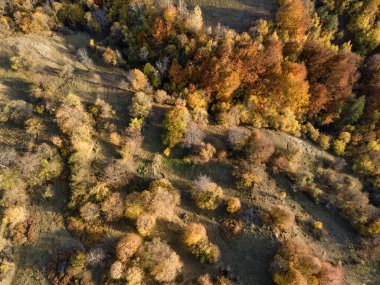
(162, 263)
(89, 212)
(324, 141)
(339, 147)
(110, 56)
(237, 137)
(281, 217)
(194, 233)
(231, 228)
(207, 252)
(296, 263)
(134, 276)
(137, 79)
(248, 174)
(141, 105)
(128, 246)
(258, 149)
(117, 270)
(160, 96)
(15, 215)
(145, 224)
(112, 207)
(330, 275)
(233, 205)
(206, 194)
(77, 263)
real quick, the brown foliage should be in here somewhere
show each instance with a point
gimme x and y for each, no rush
(330, 275)
(332, 76)
(113, 207)
(194, 233)
(292, 22)
(128, 246)
(231, 228)
(281, 217)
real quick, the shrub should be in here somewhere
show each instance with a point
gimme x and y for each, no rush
(330, 275)
(15, 215)
(231, 228)
(204, 279)
(175, 124)
(194, 233)
(207, 252)
(77, 263)
(206, 194)
(134, 276)
(233, 205)
(248, 174)
(374, 227)
(324, 141)
(117, 174)
(117, 270)
(339, 147)
(96, 257)
(162, 263)
(281, 217)
(296, 263)
(128, 246)
(206, 153)
(83, 57)
(110, 56)
(115, 138)
(137, 79)
(89, 212)
(237, 137)
(259, 149)
(145, 224)
(141, 105)
(160, 96)
(112, 207)
(312, 132)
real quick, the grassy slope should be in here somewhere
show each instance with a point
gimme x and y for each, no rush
(249, 256)
(237, 14)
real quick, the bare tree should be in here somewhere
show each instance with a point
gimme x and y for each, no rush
(194, 135)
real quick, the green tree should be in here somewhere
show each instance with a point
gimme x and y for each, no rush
(175, 124)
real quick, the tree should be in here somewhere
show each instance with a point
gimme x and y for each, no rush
(194, 135)
(195, 20)
(175, 124)
(292, 24)
(128, 246)
(141, 105)
(162, 263)
(137, 79)
(194, 233)
(206, 193)
(332, 76)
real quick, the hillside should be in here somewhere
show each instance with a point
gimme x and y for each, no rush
(142, 143)
(255, 245)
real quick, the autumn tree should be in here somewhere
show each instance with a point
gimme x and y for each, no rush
(175, 124)
(292, 23)
(160, 261)
(332, 76)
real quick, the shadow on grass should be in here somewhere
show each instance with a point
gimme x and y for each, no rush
(18, 89)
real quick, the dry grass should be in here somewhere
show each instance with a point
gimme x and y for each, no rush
(237, 14)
